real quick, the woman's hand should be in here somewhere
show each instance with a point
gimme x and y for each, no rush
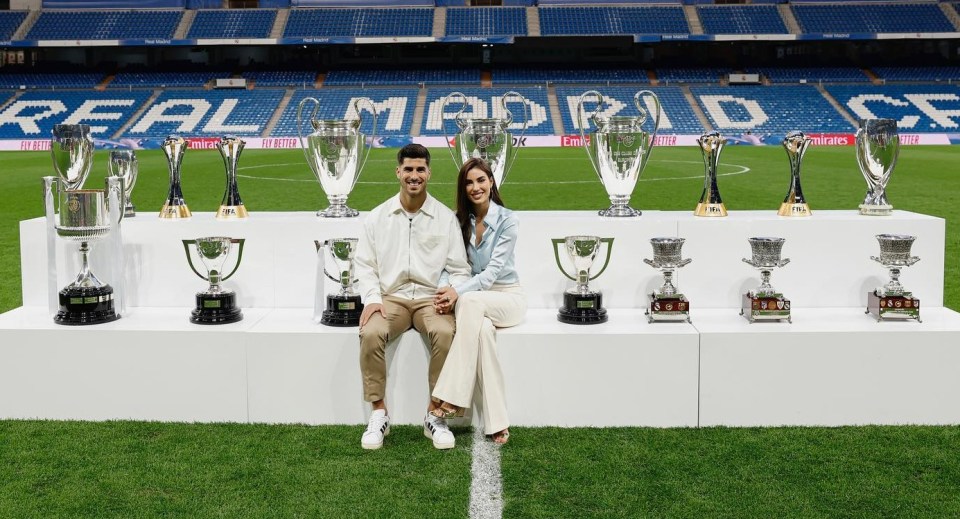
(445, 299)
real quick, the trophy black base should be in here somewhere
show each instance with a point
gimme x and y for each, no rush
(673, 308)
(342, 311)
(216, 309)
(897, 307)
(765, 307)
(582, 309)
(82, 306)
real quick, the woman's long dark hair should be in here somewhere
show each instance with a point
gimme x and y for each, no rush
(464, 205)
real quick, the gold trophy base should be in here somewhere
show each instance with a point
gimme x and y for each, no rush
(172, 212)
(231, 212)
(705, 209)
(794, 209)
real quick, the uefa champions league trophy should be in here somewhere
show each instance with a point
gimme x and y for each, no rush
(795, 204)
(85, 216)
(765, 303)
(581, 305)
(123, 164)
(343, 308)
(711, 144)
(877, 145)
(215, 305)
(892, 301)
(666, 304)
(333, 153)
(231, 208)
(486, 138)
(619, 149)
(175, 207)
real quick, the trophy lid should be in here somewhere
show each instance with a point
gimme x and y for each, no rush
(766, 250)
(895, 248)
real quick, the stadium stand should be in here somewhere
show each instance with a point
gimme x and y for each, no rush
(232, 23)
(769, 110)
(486, 21)
(104, 25)
(691, 75)
(9, 22)
(165, 79)
(871, 18)
(918, 73)
(296, 78)
(677, 117)
(447, 76)
(33, 80)
(812, 74)
(332, 22)
(589, 76)
(916, 108)
(485, 103)
(556, 21)
(394, 109)
(32, 115)
(208, 113)
(741, 19)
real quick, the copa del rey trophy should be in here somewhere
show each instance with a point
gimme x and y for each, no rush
(231, 208)
(215, 305)
(795, 204)
(877, 146)
(710, 204)
(619, 148)
(333, 153)
(486, 138)
(892, 301)
(84, 216)
(666, 303)
(581, 305)
(765, 303)
(123, 164)
(175, 207)
(343, 308)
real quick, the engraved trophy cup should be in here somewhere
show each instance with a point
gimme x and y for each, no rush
(581, 305)
(795, 204)
(175, 207)
(123, 164)
(666, 303)
(892, 301)
(343, 308)
(84, 216)
(765, 303)
(333, 153)
(231, 208)
(877, 145)
(710, 204)
(215, 305)
(619, 149)
(487, 138)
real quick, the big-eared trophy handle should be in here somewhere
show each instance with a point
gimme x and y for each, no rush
(313, 117)
(581, 123)
(523, 131)
(373, 133)
(637, 101)
(443, 123)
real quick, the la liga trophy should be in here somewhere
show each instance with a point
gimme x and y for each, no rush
(175, 207)
(333, 153)
(343, 308)
(619, 148)
(215, 305)
(765, 303)
(123, 164)
(231, 208)
(84, 216)
(795, 204)
(892, 301)
(877, 146)
(581, 305)
(666, 303)
(486, 138)
(710, 204)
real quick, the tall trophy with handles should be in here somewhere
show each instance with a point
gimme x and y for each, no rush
(333, 152)
(877, 146)
(487, 138)
(231, 208)
(123, 164)
(83, 216)
(765, 303)
(795, 204)
(175, 207)
(343, 308)
(215, 305)
(892, 301)
(581, 304)
(667, 303)
(710, 204)
(619, 148)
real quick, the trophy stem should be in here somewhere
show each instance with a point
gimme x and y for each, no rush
(620, 208)
(338, 208)
(765, 286)
(667, 289)
(894, 286)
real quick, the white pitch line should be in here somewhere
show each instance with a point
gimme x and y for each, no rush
(486, 487)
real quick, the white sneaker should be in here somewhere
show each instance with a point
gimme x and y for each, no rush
(436, 429)
(377, 428)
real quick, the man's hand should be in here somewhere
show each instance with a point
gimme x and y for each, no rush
(445, 299)
(369, 310)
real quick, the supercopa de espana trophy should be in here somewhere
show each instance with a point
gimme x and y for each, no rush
(892, 301)
(765, 303)
(667, 303)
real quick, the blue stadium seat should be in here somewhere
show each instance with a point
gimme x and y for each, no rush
(591, 76)
(105, 25)
(612, 20)
(366, 22)
(691, 75)
(677, 117)
(448, 76)
(232, 23)
(917, 108)
(295, 78)
(208, 113)
(871, 18)
(741, 19)
(812, 74)
(165, 79)
(32, 115)
(487, 104)
(394, 109)
(769, 110)
(50, 80)
(918, 73)
(486, 21)
(9, 23)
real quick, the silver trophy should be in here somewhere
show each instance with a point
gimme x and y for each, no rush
(215, 305)
(343, 308)
(666, 303)
(84, 216)
(619, 149)
(765, 303)
(123, 164)
(878, 145)
(892, 301)
(795, 204)
(231, 208)
(175, 207)
(487, 138)
(581, 305)
(333, 153)
(710, 204)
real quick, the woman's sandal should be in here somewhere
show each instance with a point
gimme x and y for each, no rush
(501, 438)
(445, 412)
